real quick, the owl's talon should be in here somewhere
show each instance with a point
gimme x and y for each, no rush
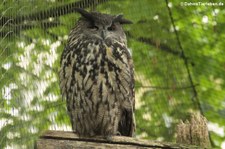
(118, 133)
(109, 138)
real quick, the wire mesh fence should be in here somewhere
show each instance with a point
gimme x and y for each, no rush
(33, 35)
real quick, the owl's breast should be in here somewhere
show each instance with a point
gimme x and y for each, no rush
(109, 68)
(97, 71)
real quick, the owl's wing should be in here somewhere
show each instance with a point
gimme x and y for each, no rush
(65, 78)
(133, 125)
(63, 73)
(127, 124)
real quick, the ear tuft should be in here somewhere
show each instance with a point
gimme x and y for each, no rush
(85, 14)
(119, 18)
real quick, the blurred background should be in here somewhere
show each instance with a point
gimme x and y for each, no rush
(178, 50)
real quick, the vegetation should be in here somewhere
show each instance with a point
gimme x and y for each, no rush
(178, 52)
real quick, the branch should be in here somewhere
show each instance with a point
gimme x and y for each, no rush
(18, 28)
(63, 139)
(187, 67)
(167, 87)
(53, 12)
(160, 46)
(153, 43)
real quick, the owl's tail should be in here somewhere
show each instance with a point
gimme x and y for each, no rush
(127, 123)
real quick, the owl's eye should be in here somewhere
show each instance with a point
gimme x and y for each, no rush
(93, 27)
(112, 27)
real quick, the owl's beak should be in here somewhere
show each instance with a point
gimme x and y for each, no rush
(103, 34)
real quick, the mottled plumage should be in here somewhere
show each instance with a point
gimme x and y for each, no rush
(96, 77)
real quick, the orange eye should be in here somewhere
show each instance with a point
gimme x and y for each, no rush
(112, 27)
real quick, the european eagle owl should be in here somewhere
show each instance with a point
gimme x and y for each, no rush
(97, 76)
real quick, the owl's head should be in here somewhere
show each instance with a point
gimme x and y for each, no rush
(99, 26)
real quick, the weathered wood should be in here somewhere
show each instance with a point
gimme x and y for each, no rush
(69, 140)
(194, 131)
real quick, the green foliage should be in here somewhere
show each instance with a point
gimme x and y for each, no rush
(31, 45)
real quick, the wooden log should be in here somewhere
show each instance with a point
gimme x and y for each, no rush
(69, 140)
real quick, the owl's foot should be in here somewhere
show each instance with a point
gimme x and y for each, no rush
(118, 133)
(108, 138)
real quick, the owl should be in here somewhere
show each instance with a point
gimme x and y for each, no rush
(97, 76)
